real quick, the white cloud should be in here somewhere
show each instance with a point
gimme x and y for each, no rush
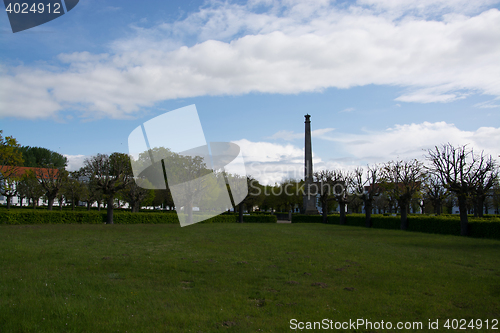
(347, 110)
(75, 162)
(440, 51)
(488, 104)
(271, 162)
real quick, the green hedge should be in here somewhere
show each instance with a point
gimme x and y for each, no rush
(119, 217)
(45, 217)
(488, 227)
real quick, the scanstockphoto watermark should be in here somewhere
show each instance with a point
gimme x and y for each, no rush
(366, 324)
(291, 189)
(329, 324)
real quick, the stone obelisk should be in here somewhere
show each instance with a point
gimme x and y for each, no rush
(309, 196)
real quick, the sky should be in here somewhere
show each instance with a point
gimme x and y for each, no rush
(381, 79)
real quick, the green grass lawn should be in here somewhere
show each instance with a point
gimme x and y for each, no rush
(239, 277)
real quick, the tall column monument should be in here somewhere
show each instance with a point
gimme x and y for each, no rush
(309, 196)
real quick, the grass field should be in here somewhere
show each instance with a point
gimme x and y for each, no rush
(239, 277)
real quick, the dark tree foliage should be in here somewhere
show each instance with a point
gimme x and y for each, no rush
(42, 157)
(10, 160)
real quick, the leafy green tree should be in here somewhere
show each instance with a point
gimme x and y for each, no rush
(10, 160)
(42, 157)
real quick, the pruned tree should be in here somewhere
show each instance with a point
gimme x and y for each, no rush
(483, 179)
(73, 188)
(111, 174)
(52, 181)
(325, 179)
(460, 171)
(403, 179)
(342, 181)
(367, 188)
(435, 192)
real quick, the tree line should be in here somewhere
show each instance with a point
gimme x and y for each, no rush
(451, 176)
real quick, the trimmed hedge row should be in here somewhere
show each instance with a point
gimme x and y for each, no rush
(446, 225)
(66, 217)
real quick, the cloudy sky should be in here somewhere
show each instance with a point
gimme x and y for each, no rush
(381, 79)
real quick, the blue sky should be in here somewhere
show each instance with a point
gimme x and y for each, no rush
(382, 79)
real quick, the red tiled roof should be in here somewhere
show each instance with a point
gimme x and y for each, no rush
(20, 171)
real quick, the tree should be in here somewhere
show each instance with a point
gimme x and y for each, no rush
(325, 178)
(343, 181)
(111, 174)
(404, 180)
(42, 157)
(136, 195)
(460, 171)
(10, 161)
(435, 192)
(30, 188)
(367, 189)
(485, 177)
(52, 180)
(73, 188)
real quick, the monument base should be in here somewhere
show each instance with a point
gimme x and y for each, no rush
(311, 212)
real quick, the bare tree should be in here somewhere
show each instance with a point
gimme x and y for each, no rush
(403, 179)
(367, 189)
(483, 179)
(111, 174)
(435, 192)
(343, 181)
(325, 178)
(460, 171)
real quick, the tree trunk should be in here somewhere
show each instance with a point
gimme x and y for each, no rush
(240, 213)
(8, 201)
(109, 212)
(88, 205)
(480, 206)
(34, 203)
(464, 221)
(21, 201)
(404, 216)
(324, 213)
(342, 212)
(51, 202)
(368, 212)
